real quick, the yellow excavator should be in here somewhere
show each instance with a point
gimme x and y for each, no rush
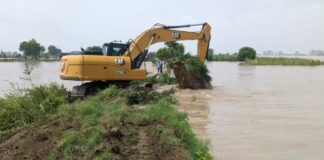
(119, 63)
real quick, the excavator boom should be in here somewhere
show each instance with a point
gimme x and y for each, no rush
(161, 33)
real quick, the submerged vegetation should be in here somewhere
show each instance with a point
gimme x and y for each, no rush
(133, 123)
(283, 61)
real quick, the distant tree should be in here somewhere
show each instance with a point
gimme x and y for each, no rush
(31, 48)
(94, 48)
(246, 53)
(210, 55)
(54, 51)
(172, 49)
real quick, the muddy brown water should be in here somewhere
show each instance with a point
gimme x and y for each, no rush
(253, 112)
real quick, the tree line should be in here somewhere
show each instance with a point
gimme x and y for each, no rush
(34, 50)
(174, 49)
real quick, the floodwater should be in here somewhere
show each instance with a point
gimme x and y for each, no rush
(260, 112)
(253, 112)
(12, 75)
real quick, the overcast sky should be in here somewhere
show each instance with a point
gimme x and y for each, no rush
(279, 25)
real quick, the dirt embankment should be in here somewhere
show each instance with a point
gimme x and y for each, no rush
(126, 141)
(135, 123)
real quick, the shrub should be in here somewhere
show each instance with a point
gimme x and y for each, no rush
(246, 53)
(33, 105)
(110, 92)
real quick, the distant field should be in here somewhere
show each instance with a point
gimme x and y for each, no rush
(224, 57)
(284, 61)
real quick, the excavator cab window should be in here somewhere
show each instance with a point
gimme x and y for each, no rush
(114, 49)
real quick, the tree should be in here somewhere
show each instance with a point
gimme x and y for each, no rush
(31, 48)
(94, 48)
(172, 49)
(210, 56)
(54, 51)
(170, 52)
(246, 53)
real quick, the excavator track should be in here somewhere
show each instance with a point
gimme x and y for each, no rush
(91, 88)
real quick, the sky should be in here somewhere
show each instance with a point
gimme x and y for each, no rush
(278, 25)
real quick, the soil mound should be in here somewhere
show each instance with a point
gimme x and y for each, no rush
(189, 79)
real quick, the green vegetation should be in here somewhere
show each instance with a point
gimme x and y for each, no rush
(221, 57)
(169, 127)
(193, 65)
(31, 48)
(107, 125)
(174, 55)
(82, 142)
(54, 51)
(30, 105)
(226, 57)
(246, 53)
(283, 61)
(32, 51)
(93, 48)
(163, 78)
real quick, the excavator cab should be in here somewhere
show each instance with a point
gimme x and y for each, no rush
(118, 49)
(114, 49)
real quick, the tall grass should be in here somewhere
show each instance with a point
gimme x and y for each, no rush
(30, 106)
(82, 142)
(224, 57)
(283, 61)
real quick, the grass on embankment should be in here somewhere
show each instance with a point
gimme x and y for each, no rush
(283, 61)
(109, 125)
(110, 114)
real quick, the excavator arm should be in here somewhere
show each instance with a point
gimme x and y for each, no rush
(161, 33)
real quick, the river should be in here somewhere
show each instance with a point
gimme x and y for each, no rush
(253, 112)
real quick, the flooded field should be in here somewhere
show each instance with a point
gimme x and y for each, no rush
(253, 112)
(42, 73)
(260, 112)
